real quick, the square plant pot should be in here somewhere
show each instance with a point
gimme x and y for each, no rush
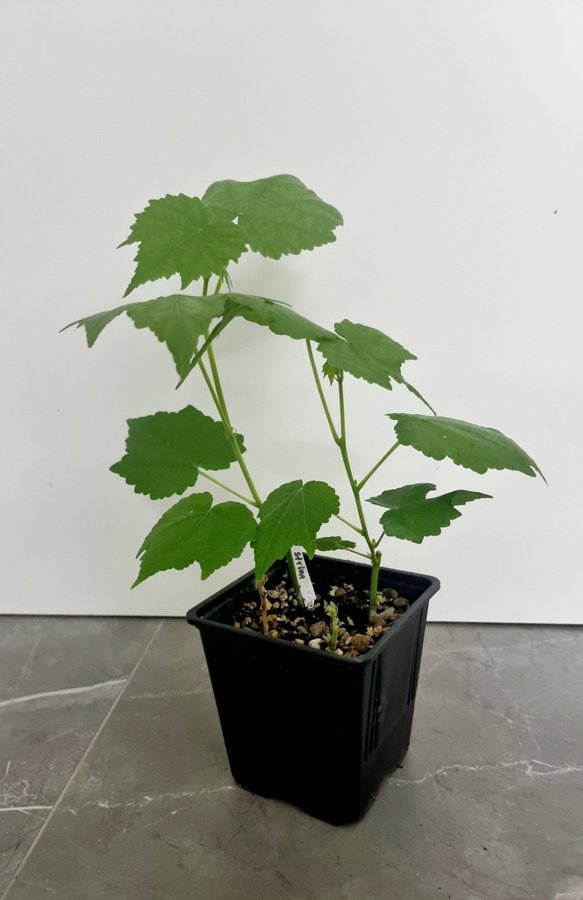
(307, 726)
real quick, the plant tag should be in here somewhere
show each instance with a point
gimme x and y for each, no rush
(305, 582)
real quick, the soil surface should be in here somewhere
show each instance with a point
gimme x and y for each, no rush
(290, 621)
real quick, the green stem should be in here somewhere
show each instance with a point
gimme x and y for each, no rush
(226, 487)
(340, 440)
(350, 524)
(209, 385)
(374, 583)
(221, 405)
(215, 387)
(375, 556)
(362, 483)
(357, 553)
(216, 391)
(348, 468)
(321, 394)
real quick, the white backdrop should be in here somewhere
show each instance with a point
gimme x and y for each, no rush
(450, 136)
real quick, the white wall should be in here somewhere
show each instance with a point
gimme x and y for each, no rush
(448, 133)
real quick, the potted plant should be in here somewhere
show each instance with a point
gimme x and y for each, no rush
(313, 660)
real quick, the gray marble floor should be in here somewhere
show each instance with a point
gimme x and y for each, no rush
(115, 784)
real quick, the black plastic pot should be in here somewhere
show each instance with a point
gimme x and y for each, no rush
(311, 727)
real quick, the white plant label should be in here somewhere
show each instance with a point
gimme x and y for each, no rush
(305, 582)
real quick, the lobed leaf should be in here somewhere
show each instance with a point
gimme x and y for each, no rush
(278, 317)
(412, 516)
(193, 530)
(277, 215)
(472, 446)
(365, 353)
(292, 515)
(95, 323)
(334, 542)
(403, 496)
(164, 451)
(179, 321)
(182, 235)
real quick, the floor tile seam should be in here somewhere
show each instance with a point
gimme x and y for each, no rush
(88, 750)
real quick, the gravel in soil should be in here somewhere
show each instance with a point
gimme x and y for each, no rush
(290, 621)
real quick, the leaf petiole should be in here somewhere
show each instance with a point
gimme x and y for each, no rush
(357, 553)
(226, 487)
(362, 483)
(325, 406)
(350, 524)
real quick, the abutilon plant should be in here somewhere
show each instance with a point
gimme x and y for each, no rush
(169, 453)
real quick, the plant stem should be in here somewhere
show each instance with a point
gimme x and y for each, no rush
(340, 439)
(350, 524)
(227, 488)
(375, 555)
(348, 468)
(224, 414)
(374, 582)
(362, 483)
(219, 401)
(357, 553)
(215, 387)
(209, 384)
(263, 599)
(321, 394)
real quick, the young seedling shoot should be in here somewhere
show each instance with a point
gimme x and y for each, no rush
(169, 453)
(332, 637)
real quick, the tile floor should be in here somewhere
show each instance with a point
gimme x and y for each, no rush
(114, 781)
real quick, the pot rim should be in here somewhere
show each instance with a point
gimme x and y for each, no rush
(197, 616)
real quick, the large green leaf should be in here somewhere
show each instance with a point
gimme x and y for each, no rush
(178, 320)
(472, 446)
(412, 516)
(273, 314)
(365, 353)
(182, 235)
(164, 451)
(333, 542)
(278, 317)
(193, 530)
(292, 515)
(277, 215)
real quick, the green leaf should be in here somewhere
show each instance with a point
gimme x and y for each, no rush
(95, 323)
(164, 451)
(292, 515)
(182, 235)
(178, 320)
(403, 496)
(278, 317)
(365, 353)
(277, 215)
(412, 516)
(333, 542)
(193, 530)
(472, 446)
